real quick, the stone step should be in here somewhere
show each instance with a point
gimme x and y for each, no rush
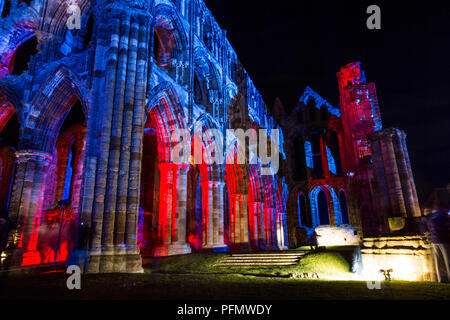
(244, 264)
(264, 257)
(268, 255)
(261, 259)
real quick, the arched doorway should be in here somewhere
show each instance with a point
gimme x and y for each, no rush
(164, 116)
(169, 45)
(148, 213)
(62, 195)
(322, 206)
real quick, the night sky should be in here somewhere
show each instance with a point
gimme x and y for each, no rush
(286, 45)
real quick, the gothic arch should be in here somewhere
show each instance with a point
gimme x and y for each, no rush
(50, 107)
(208, 33)
(333, 205)
(57, 10)
(236, 175)
(167, 23)
(20, 32)
(212, 145)
(207, 81)
(256, 186)
(167, 114)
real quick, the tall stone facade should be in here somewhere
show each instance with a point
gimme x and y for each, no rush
(100, 99)
(337, 173)
(95, 107)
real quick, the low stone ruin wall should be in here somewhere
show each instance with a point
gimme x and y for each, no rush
(409, 257)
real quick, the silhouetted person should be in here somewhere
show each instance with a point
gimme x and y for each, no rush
(313, 242)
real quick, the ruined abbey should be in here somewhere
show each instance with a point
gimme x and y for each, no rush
(91, 94)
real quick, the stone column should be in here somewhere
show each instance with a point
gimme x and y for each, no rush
(111, 190)
(270, 228)
(411, 177)
(407, 180)
(281, 230)
(262, 228)
(381, 194)
(239, 222)
(392, 176)
(254, 212)
(213, 235)
(172, 210)
(134, 262)
(26, 205)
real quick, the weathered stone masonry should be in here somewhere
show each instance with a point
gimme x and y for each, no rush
(88, 118)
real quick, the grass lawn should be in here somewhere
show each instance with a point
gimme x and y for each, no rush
(326, 263)
(195, 277)
(211, 286)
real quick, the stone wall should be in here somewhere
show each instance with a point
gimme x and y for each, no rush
(409, 257)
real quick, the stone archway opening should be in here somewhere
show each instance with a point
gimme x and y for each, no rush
(322, 206)
(168, 48)
(62, 195)
(150, 184)
(22, 56)
(164, 116)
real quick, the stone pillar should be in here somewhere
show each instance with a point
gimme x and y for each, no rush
(26, 205)
(392, 176)
(404, 167)
(111, 190)
(213, 229)
(254, 209)
(239, 222)
(381, 192)
(281, 230)
(262, 228)
(270, 228)
(172, 210)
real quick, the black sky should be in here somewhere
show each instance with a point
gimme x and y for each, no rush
(288, 44)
